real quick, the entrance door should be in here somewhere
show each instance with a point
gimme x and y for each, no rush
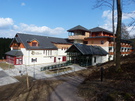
(18, 61)
(54, 59)
(64, 58)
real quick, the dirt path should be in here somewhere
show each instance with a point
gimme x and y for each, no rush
(67, 91)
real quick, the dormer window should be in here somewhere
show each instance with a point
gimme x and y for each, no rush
(34, 44)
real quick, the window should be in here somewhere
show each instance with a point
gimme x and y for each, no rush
(85, 42)
(34, 60)
(62, 48)
(34, 43)
(43, 51)
(102, 42)
(94, 59)
(109, 58)
(110, 48)
(50, 52)
(46, 52)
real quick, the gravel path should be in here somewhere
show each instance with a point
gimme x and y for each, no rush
(67, 91)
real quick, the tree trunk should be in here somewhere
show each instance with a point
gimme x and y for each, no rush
(118, 34)
(113, 30)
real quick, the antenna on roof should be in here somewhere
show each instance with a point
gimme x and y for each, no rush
(98, 22)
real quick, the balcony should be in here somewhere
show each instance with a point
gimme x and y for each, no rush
(79, 37)
(16, 48)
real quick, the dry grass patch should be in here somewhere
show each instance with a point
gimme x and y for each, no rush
(39, 90)
(5, 65)
(116, 86)
(58, 70)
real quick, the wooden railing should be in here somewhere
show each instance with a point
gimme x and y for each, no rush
(80, 37)
(16, 48)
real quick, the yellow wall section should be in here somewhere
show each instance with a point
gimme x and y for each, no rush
(62, 46)
(98, 42)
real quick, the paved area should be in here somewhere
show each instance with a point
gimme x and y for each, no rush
(34, 71)
(6, 79)
(67, 91)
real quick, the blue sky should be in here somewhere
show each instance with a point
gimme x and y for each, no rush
(54, 17)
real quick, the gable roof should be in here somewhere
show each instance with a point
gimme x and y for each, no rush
(99, 29)
(45, 42)
(88, 49)
(14, 53)
(76, 28)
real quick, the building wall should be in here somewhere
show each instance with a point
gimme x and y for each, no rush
(32, 57)
(104, 45)
(98, 59)
(103, 42)
(78, 41)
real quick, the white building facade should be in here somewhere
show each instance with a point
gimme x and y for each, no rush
(32, 49)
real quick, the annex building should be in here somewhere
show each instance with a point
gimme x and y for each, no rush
(84, 47)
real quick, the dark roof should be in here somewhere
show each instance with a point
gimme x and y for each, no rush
(99, 29)
(88, 49)
(45, 42)
(110, 39)
(76, 28)
(14, 53)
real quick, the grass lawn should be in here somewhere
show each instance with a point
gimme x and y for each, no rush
(5, 65)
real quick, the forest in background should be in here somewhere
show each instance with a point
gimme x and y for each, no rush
(4, 46)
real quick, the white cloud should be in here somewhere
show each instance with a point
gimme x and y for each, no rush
(41, 30)
(126, 17)
(9, 29)
(5, 23)
(23, 4)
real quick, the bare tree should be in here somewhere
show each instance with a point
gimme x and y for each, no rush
(119, 28)
(118, 34)
(132, 23)
(110, 4)
(124, 32)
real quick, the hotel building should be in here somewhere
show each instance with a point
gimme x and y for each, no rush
(83, 46)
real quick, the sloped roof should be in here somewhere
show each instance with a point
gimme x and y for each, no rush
(79, 27)
(14, 53)
(99, 29)
(45, 42)
(110, 38)
(88, 49)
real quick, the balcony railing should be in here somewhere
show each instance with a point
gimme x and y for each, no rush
(79, 37)
(16, 48)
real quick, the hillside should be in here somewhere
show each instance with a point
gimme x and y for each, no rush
(116, 86)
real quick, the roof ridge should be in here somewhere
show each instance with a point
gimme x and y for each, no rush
(39, 35)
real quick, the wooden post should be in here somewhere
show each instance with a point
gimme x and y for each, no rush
(27, 79)
(101, 71)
